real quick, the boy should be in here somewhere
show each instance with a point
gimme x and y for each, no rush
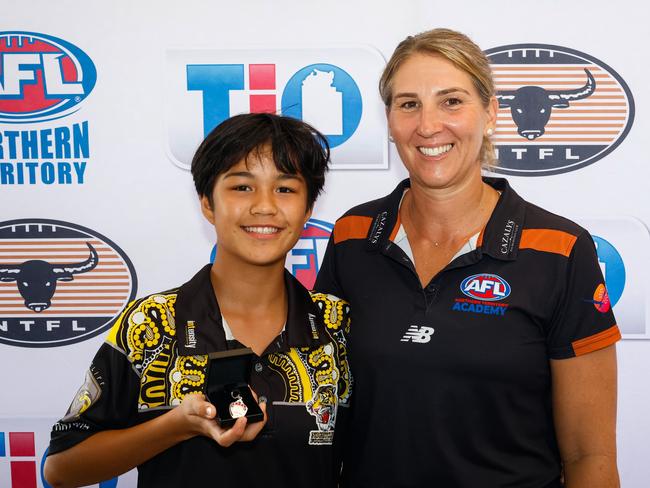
(257, 176)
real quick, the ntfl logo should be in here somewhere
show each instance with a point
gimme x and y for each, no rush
(559, 109)
(486, 287)
(41, 77)
(328, 88)
(60, 283)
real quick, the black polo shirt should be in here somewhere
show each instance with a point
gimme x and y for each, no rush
(452, 381)
(157, 353)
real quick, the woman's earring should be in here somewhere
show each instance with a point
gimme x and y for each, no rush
(390, 138)
(490, 131)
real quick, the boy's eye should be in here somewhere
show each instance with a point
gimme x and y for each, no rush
(285, 189)
(242, 188)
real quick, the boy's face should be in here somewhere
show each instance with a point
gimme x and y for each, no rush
(257, 211)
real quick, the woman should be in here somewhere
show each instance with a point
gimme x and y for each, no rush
(257, 177)
(482, 333)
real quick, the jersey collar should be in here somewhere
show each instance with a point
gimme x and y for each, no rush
(499, 239)
(200, 328)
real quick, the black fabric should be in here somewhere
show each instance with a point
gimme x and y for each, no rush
(155, 354)
(450, 390)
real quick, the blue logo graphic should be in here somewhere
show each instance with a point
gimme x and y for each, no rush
(613, 268)
(323, 95)
(343, 98)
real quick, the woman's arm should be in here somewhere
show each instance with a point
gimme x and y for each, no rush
(112, 452)
(584, 407)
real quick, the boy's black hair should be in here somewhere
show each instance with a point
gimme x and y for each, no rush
(296, 146)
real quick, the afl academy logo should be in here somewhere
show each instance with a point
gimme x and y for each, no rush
(42, 77)
(559, 109)
(487, 287)
(60, 283)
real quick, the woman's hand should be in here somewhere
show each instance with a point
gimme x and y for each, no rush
(199, 415)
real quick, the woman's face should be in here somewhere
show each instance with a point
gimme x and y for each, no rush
(438, 121)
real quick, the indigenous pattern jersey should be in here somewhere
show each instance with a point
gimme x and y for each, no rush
(453, 378)
(157, 353)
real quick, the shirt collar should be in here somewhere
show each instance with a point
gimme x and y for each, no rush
(499, 239)
(200, 328)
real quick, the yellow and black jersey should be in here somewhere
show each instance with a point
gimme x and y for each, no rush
(453, 384)
(156, 353)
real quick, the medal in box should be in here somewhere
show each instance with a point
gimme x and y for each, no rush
(227, 386)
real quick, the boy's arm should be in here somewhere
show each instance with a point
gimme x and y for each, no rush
(110, 453)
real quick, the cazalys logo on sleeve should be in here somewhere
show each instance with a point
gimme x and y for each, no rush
(559, 109)
(60, 283)
(43, 77)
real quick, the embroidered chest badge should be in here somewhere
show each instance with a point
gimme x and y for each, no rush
(323, 406)
(484, 291)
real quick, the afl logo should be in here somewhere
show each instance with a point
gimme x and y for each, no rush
(43, 77)
(60, 283)
(486, 287)
(559, 109)
(305, 258)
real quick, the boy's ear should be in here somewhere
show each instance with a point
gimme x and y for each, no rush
(206, 209)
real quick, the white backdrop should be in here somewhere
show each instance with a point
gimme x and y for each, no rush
(137, 197)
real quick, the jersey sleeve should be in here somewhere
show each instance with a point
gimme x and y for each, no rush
(106, 400)
(584, 321)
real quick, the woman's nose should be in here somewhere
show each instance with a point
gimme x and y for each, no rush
(430, 121)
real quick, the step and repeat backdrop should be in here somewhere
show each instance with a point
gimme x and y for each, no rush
(102, 105)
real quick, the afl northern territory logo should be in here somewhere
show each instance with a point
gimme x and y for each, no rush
(559, 109)
(41, 77)
(60, 283)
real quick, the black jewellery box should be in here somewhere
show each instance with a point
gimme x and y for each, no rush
(227, 386)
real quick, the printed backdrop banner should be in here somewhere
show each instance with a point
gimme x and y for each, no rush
(103, 104)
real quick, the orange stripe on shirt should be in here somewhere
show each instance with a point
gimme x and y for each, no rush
(596, 341)
(547, 240)
(351, 227)
(398, 224)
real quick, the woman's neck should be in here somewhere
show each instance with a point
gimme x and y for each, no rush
(449, 214)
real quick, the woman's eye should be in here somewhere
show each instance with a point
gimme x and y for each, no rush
(451, 102)
(409, 105)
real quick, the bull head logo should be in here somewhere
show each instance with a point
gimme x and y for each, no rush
(36, 279)
(531, 106)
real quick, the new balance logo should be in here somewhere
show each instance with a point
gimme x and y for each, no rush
(418, 334)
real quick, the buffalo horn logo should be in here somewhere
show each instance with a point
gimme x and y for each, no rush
(36, 279)
(60, 283)
(531, 106)
(559, 109)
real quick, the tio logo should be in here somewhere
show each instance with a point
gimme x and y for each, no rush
(21, 455)
(322, 94)
(332, 89)
(611, 264)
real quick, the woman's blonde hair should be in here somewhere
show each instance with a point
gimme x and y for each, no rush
(459, 50)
